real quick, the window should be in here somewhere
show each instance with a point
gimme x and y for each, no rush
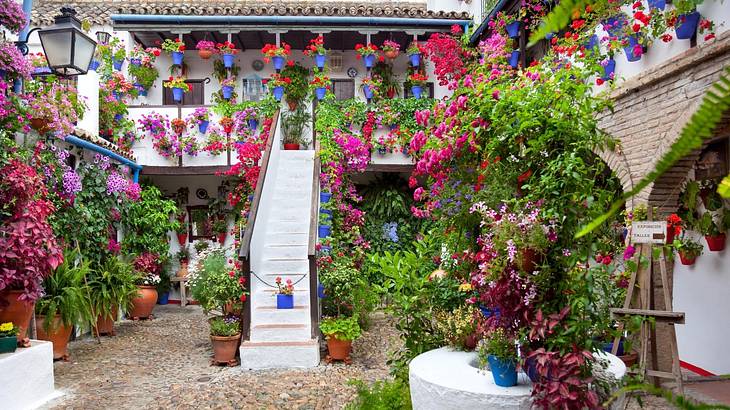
(428, 89)
(253, 89)
(343, 89)
(200, 222)
(194, 97)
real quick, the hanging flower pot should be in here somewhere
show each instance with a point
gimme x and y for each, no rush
(253, 124)
(278, 62)
(592, 42)
(504, 372)
(658, 4)
(321, 291)
(325, 197)
(369, 60)
(368, 91)
(227, 92)
(278, 92)
(417, 90)
(687, 25)
(140, 90)
(324, 231)
(94, 65)
(514, 58)
(634, 50)
(687, 258)
(390, 92)
(326, 249)
(135, 62)
(391, 54)
(291, 147)
(203, 127)
(609, 69)
(118, 117)
(228, 60)
(117, 63)
(221, 237)
(177, 94)
(117, 95)
(58, 334)
(205, 54)
(716, 243)
(320, 92)
(293, 104)
(177, 57)
(513, 29)
(16, 311)
(320, 60)
(614, 25)
(382, 150)
(40, 125)
(415, 59)
(284, 301)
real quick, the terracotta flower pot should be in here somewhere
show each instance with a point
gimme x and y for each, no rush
(183, 271)
(182, 238)
(17, 311)
(670, 235)
(40, 125)
(58, 335)
(221, 237)
(338, 350)
(391, 54)
(716, 243)
(143, 304)
(224, 349)
(291, 147)
(292, 105)
(629, 359)
(105, 324)
(687, 259)
(529, 259)
(205, 54)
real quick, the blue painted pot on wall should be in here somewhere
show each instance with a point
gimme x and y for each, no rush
(94, 64)
(320, 60)
(135, 61)
(118, 117)
(117, 63)
(203, 126)
(325, 249)
(227, 92)
(609, 69)
(325, 211)
(278, 92)
(367, 91)
(633, 41)
(253, 124)
(382, 150)
(487, 312)
(320, 291)
(278, 62)
(117, 96)
(658, 4)
(592, 42)
(513, 29)
(324, 231)
(369, 60)
(504, 373)
(177, 57)
(177, 94)
(687, 25)
(142, 92)
(284, 301)
(417, 90)
(228, 60)
(614, 25)
(325, 197)
(607, 347)
(514, 58)
(163, 298)
(415, 59)
(320, 92)
(549, 36)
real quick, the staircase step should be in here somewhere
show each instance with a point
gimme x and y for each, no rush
(284, 265)
(266, 314)
(280, 332)
(279, 354)
(291, 238)
(288, 252)
(263, 299)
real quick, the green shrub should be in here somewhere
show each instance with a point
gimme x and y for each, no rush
(224, 326)
(382, 395)
(346, 328)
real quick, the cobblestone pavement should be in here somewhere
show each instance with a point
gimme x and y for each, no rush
(165, 363)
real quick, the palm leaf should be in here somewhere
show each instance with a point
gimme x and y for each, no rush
(700, 127)
(558, 18)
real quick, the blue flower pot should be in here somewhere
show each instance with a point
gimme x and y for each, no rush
(633, 41)
(253, 124)
(94, 65)
(325, 197)
(487, 312)
(320, 60)
(278, 62)
(203, 126)
(177, 57)
(320, 291)
(163, 298)
(325, 211)
(514, 58)
(417, 90)
(3, 73)
(228, 60)
(382, 150)
(325, 249)
(658, 4)
(117, 63)
(320, 92)
(607, 347)
(592, 42)
(504, 373)
(117, 96)
(415, 59)
(118, 117)
(41, 70)
(609, 69)
(284, 301)
(687, 25)
(549, 36)
(369, 60)
(142, 92)
(614, 25)
(250, 197)
(135, 62)
(367, 91)
(324, 231)
(278, 92)
(227, 92)
(177, 94)
(513, 29)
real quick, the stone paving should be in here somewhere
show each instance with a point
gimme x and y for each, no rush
(164, 363)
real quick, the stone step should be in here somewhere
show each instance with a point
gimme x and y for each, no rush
(289, 238)
(268, 314)
(276, 265)
(265, 299)
(280, 354)
(287, 227)
(290, 252)
(274, 332)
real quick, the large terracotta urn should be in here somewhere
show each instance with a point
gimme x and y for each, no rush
(58, 334)
(17, 311)
(338, 350)
(143, 304)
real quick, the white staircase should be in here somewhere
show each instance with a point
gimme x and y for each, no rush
(282, 338)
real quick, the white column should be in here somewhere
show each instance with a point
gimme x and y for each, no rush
(88, 88)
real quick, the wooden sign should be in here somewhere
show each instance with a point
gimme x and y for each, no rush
(648, 231)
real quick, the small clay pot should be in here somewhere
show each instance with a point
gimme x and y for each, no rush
(292, 105)
(338, 350)
(716, 243)
(629, 359)
(391, 54)
(17, 311)
(143, 304)
(105, 324)
(687, 259)
(224, 349)
(58, 335)
(183, 271)
(205, 54)
(40, 125)
(182, 239)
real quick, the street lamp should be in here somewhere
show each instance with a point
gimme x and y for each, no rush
(68, 50)
(102, 37)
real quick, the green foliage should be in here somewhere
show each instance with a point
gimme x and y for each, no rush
(224, 326)
(293, 124)
(558, 18)
(214, 286)
(681, 402)
(298, 89)
(688, 246)
(147, 223)
(498, 345)
(143, 75)
(341, 328)
(110, 287)
(65, 293)
(382, 395)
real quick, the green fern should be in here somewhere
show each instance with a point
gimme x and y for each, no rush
(558, 18)
(700, 127)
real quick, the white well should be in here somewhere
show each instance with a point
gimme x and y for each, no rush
(26, 377)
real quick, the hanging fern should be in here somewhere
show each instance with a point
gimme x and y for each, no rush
(558, 18)
(700, 126)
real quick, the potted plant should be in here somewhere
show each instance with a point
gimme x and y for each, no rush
(183, 257)
(389, 85)
(179, 87)
(391, 49)
(316, 50)
(181, 231)
(227, 124)
(276, 84)
(296, 89)
(143, 69)
(8, 337)
(688, 250)
(163, 289)
(414, 52)
(340, 332)
(417, 81)
(224, 335)
(370, 86)
(284, 294)
(200, 118)
(228, 52)
(117, 52)
(714, 236)
(110, 287)
(64, 303)
(501, 353)
(227, 86)
(321, 83)
(176, 48)
(205, 48)
(325, 226)
(220, 229)
(148, 268)
(685, 17)
(215, 282)
(511, 23)
(293, 125)
(277, 55)
(368, 54)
